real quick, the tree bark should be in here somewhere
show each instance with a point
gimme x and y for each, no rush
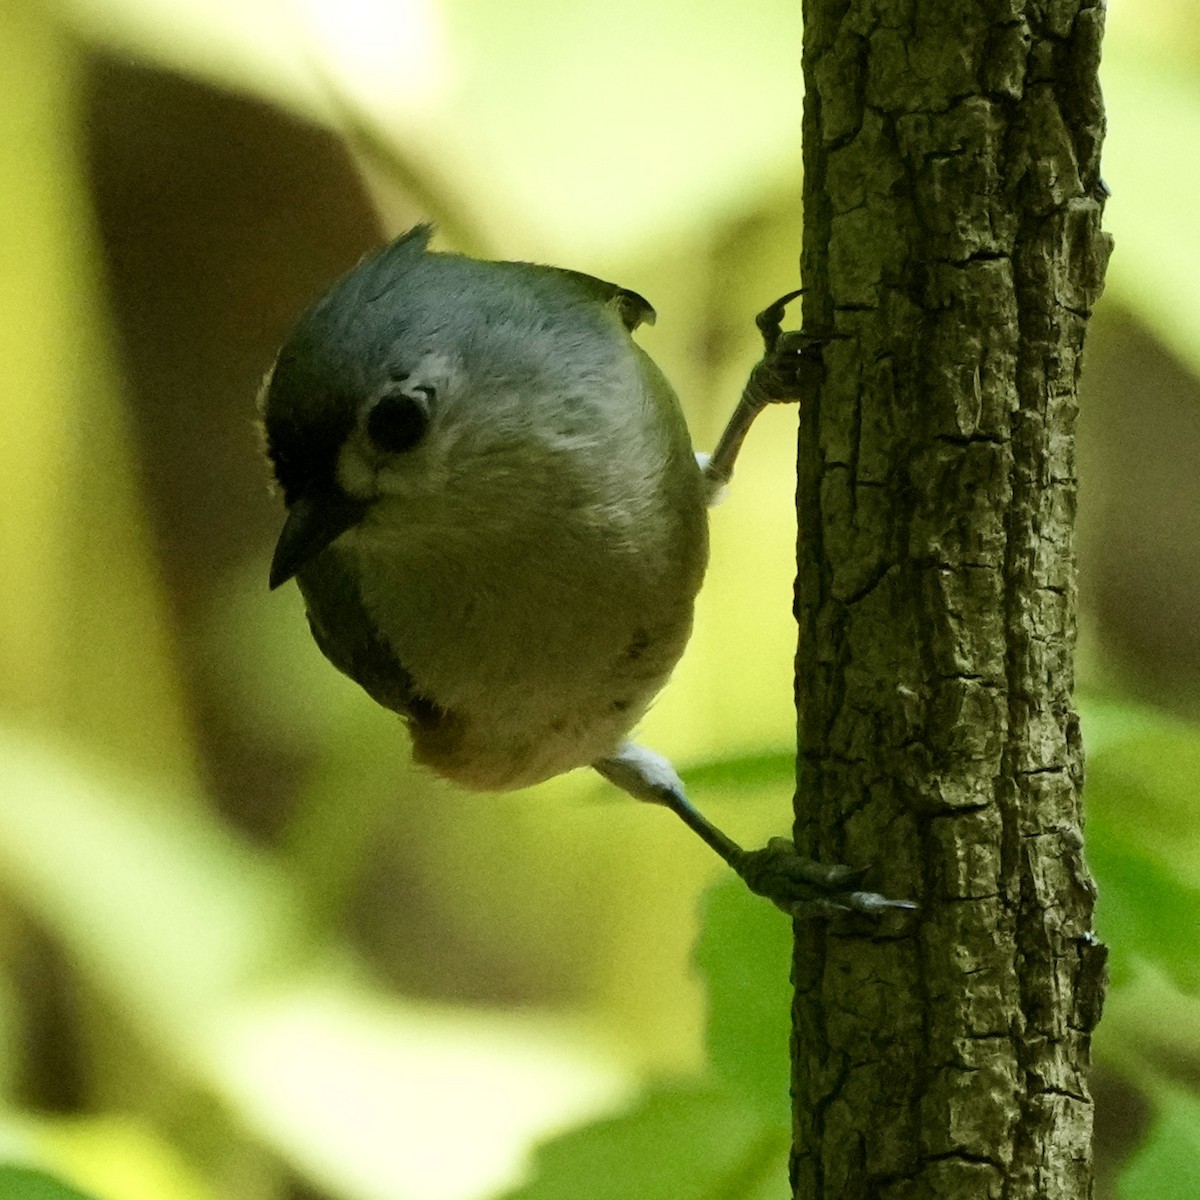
(952, 255)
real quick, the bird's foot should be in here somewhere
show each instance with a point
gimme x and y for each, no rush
(791, 367)
(802, 887)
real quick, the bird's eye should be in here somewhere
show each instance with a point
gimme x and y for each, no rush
(399, 418)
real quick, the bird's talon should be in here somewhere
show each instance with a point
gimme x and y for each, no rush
(804, 888)
(791, 367)
(770, 320)
(872, 903)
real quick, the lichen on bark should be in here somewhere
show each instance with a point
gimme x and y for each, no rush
(952, 255)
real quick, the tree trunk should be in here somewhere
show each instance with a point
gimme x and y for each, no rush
(952, 255)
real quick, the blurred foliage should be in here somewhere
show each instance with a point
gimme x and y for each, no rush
(248, 951)
(24, 1183)
(1166, 1164)
(725, 1134)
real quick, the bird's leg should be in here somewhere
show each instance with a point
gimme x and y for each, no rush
(799, 886)
(789, 369)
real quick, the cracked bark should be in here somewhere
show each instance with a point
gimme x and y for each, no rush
(952, 254)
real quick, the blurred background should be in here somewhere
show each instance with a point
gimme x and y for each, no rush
(245, 949)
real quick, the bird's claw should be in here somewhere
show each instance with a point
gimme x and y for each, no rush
(791, 366)
(770, 320)
(802, 887)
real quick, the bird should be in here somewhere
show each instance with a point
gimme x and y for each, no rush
(499, 526)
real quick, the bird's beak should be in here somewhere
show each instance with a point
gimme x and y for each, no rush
(312, 523)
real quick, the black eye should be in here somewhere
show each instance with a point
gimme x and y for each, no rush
(399, 418)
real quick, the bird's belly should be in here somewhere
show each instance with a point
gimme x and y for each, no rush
(530, 677)
(565, 699)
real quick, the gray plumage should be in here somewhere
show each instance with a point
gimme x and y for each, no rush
(518, 582)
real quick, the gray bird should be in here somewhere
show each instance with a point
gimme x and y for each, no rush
(499, 526)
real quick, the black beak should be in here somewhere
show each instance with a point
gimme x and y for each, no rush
(312, 523)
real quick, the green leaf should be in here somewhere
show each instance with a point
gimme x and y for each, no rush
(1150, 1034)
(766, 769)
(728, 1138)
(1144, 909)
(684, 1142)
(744, 953)
(1167, 1167)
(1143, 842)
(24, 1183)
